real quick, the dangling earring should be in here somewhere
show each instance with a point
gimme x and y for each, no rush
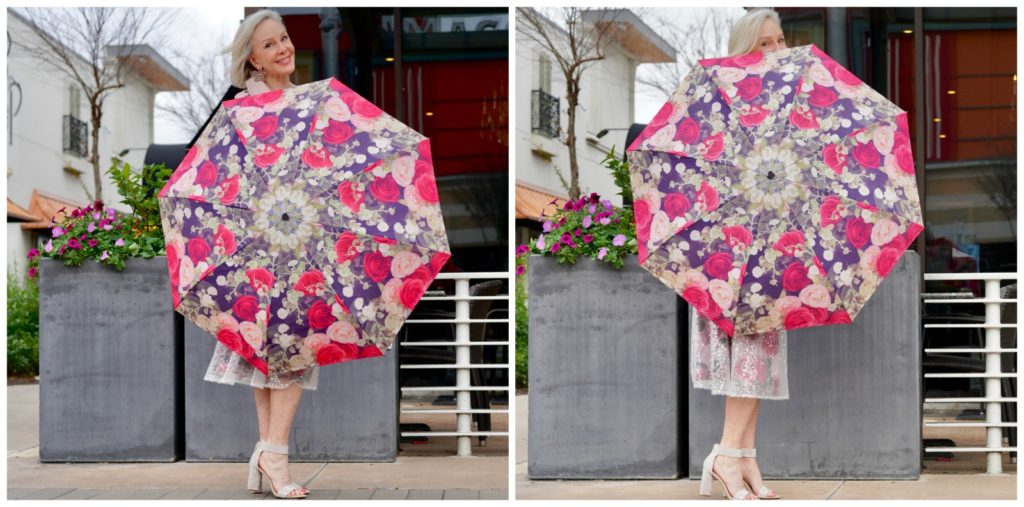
(258, 75)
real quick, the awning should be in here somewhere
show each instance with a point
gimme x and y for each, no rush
(532, 200)
(16, 213)
(44, 206)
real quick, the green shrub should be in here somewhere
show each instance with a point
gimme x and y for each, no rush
(22, 324)
(522, 333)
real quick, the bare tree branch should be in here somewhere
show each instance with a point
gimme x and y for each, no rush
(209, 78)
(704, 36)
(93, 47)
(575, 45)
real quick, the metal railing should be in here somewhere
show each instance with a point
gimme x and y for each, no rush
(463, 387)
(544, 117)
(76, 136)
(993, 373)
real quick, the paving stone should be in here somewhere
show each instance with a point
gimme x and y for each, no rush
(461, 494)
(82, 494)
(46, 493)
(182, 494)
(354, 494)
(425, 494)
(19, 493)
(128, 494)
(390, 494)
(218, 493)
(323, 494)
(494, 494)
(244, 494)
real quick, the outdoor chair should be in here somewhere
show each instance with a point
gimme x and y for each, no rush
(1008, 340)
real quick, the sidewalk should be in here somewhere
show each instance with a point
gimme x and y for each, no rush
(416, 475)
(960, 480)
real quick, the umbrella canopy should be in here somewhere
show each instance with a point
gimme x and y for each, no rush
(302, 227)
(774, 191)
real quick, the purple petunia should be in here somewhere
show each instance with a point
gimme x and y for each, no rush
(587, 222)
(602, 252)
(73, 243)
(119, 242)
(93, 243)
(58, 232)
(540, 242)
(549, 226)
(587, 238)
(519, 269)
(619, 240)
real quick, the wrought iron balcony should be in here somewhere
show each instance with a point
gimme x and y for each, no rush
(76, 136)
(545, 114)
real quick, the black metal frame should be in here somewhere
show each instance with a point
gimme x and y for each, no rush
(76, 136)
(544, 117)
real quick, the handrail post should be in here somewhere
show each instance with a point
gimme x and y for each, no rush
(464, 421)
(993, 387)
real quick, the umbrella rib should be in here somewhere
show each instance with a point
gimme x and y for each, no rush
(184, 198)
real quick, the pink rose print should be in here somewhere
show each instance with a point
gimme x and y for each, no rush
(770, 343)
(799, 317)
(737, 235)
(858, 232)
(725, 325)
(676, 205)
(385, 189)
(718, 265)
(835, 158)
(265, 127)
(912, 231)
(245, 308)
(832, 211)
(336, 352)
(377, 266)
(347, 246)
(886, 260)
(803, 118)
(320, 316)
(369, 351)
(207, 174)
(663, 114)
(189, 157)
(752, 116)
(821, 96)
(713, 147)
(794, 278)
(224, 241)
(425, 186)
(821, 269)
(229, 190)
(267, 155)
(707, 197)
(262, 99)
(700, 299)
(198, 249)
(412, 290)
(839, 317)
(790, 243)
(316, 157)
(867, 155)
(749, 88)
(361, 106)
(260, 279)
(234, 341)
(350, 196)
(642, 216)
(741, 60)
(310, 282)
(172, 258)
(904, 158)
(337, 132)
(688, 131)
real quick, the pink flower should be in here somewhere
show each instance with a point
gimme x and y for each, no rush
(316, 157)
(737, 235)
(867, 155)
(858, 232)
(707, 197)
(794, 278)
(687, 131)
(790, 243)
(834, 157)
(803, 118)
(265, 127)
(822, 96)
(385, 189)
(713, 145)
(831, 211)
(799, 317)
(676, 205)
(754, 116)
(749, 88)
(718, 265)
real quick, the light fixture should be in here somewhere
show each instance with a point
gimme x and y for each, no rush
(936, 120)
(429, 113)
(908, 31)
(389, 59)
(951, 92)
(942, 136)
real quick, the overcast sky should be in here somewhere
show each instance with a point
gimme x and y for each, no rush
(204, 30)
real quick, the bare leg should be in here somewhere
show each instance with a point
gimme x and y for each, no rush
(262, 397)
(738, 414)
(748, 466)
(282, 406)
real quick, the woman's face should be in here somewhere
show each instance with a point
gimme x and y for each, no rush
(272, 49)
(771, 37)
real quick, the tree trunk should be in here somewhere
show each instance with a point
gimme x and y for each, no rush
(94, 158)
(572, 93)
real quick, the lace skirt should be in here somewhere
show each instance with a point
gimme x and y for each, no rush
(749, 366)
(227, 367)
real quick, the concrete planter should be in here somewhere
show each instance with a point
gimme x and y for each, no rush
(606, 369)
(107, 353)
(352, 415)
(854, 407)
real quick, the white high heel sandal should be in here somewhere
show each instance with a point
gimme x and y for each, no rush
(764, 493)
(708, 473)
(256, 473)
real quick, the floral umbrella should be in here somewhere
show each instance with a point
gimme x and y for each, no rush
(774, 191)
(303, 227)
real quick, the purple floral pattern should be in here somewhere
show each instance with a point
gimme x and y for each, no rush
(774, 191)
(303, 227)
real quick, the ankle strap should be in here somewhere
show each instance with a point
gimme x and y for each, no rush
(274, 448)
(727, 451)
(748, 452)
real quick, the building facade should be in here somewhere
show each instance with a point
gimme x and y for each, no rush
(49, 135)
(606, 104)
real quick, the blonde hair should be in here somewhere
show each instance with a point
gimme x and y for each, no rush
(241, 48)
(747, 30)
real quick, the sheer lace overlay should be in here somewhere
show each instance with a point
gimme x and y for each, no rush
(750, 366)
(227, 367)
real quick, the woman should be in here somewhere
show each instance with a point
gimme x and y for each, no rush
(718, 362)
(262, 59)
